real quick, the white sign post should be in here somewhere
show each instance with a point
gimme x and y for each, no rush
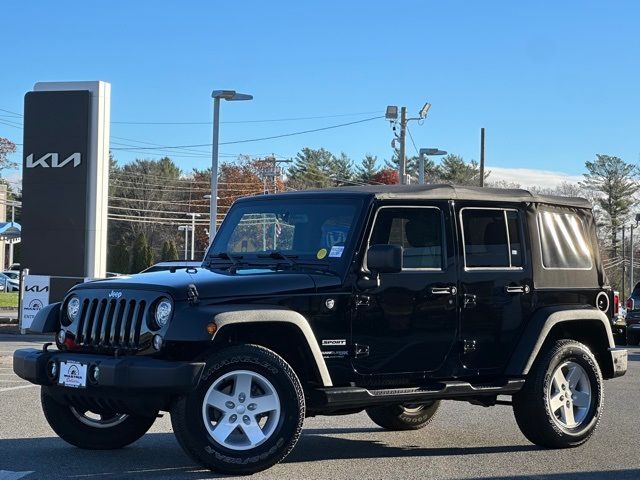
(35, 296)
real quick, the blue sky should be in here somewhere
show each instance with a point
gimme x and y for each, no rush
(554, 83)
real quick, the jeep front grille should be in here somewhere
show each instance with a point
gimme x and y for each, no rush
(111, 323)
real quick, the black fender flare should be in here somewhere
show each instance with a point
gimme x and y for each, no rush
(244, 317)
(47, 320)
(538, 328)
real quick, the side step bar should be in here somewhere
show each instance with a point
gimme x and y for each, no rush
(357, 397)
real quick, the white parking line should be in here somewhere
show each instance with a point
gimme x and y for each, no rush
(7, 475)
(8, 389)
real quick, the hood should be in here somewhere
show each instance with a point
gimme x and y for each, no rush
(211, 284)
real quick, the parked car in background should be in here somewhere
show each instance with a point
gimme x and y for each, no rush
(618, 322)
(632, 318)
(7, 280)
(12, 274)
(178, 264)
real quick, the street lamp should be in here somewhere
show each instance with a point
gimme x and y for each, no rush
(193, 232)
(229, 95)
(186, 229)
(423, 153)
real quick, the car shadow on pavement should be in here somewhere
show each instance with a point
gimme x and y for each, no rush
(318, 445)
(158, 456)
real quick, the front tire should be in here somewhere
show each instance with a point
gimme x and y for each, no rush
(101, 431)
(561, 402)
(403, 417)
(246, 414)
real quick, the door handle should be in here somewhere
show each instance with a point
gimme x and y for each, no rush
(517, 289)
(444, 290)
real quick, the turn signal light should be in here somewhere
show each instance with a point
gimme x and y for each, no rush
(211, 328)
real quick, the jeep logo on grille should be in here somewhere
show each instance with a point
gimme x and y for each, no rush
(114, 294)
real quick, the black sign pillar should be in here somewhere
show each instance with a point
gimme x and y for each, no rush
(65, 182)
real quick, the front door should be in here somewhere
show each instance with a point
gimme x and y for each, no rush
(409, 323)
(495, 285)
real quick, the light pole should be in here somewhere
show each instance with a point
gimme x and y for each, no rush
(186, 229)
(423, 153)
(392, 115)
(230, 95)
(193, 231)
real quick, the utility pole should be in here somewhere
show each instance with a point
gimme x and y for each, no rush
(482, 157)
(631, 284)
(403, 137)
(624, 259)
(13, 219)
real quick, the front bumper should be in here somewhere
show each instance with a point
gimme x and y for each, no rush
(129, 375)
(618, 361)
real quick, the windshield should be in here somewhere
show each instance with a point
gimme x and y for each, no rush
(317, 231)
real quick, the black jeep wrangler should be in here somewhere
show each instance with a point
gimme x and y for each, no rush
(384, 299)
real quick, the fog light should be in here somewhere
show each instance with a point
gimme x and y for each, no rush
(62, 336)
(157, 342)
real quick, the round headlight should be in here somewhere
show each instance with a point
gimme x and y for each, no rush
(163, 312)
(73, 308)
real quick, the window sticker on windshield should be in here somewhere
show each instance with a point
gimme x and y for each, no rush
(321, 253)
(336, 251)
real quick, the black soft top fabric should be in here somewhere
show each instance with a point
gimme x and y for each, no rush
(436, 192)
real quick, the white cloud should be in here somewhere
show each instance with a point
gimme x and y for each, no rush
(528, 177)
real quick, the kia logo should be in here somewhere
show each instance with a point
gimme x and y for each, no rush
(115, 294)
(54, 160)
(36, 288)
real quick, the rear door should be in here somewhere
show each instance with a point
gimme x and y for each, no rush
(495, 284)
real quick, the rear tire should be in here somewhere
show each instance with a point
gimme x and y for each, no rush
(561, 402)
(85, 430)
(403, 417)
(245, 415)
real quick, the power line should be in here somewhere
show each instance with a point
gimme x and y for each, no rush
(412, 142)
(291, 119)
(262, 138)
(9, 111)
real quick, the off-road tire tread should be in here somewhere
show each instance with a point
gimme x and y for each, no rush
(530, 407)
(74, 432)
(389, 417)
(239, 353)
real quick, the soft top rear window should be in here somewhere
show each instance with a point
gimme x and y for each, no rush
(563, 241)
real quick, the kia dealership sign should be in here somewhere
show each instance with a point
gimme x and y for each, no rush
(65, 182)
(35, 296)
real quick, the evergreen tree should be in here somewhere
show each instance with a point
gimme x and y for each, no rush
(172, 253)
(312, 169)
(616, 183)
(367, 169)
(164, 256)
(142, 254)
(453, 169)
(342, 170)
(119, 257)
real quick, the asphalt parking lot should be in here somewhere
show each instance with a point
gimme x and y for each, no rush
(463, 442)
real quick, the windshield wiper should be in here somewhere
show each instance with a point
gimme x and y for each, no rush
(234, 259)
(278, 255)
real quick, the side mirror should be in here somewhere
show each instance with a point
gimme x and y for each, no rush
(384, 258)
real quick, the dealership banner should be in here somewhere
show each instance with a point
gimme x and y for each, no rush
(35, 296)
